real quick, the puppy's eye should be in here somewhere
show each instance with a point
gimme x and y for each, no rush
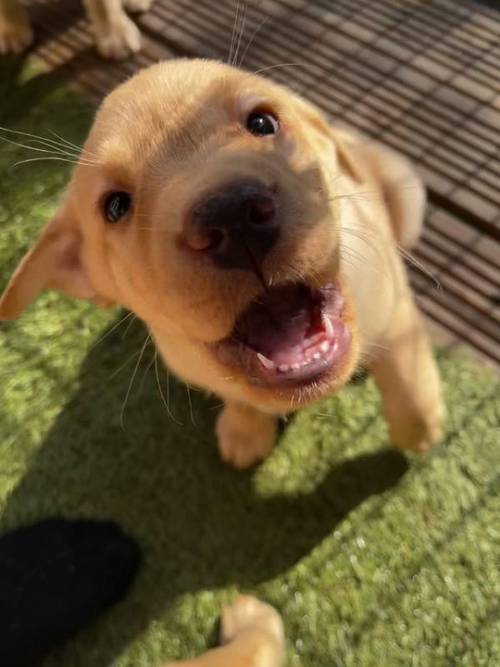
(116, 205)
(262, 123)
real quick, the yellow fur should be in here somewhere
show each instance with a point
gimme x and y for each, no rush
(170, 135)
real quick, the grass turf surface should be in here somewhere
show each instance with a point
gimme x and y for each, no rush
(373, 557)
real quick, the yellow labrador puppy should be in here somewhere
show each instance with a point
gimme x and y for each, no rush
(258, 243)
(115, 34)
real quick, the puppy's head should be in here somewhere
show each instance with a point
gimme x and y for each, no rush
(205, 202)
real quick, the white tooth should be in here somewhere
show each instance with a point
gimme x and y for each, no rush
(284, 368)
(325, 346)
(327, 323)
(316, 355)
(267, 363)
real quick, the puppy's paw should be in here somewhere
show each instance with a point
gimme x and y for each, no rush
(120, 40)
(248, 613)
(417, 433)
(137, 5)
(245, 436)
(16, 34)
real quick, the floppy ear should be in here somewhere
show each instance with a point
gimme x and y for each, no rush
(348, 150)
(350, 155)
(55, 262)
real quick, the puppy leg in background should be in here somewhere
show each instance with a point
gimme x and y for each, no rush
(245, 435)
(15, 29)
(407, 376)
(116, 34)
(251, 634)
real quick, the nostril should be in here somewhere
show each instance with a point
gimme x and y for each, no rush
(261, 211)
(206, 240)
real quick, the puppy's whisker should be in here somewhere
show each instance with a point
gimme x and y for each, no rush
(58, 150)
(252, 38)
(354, 195)
(299, 275)
(350, 258)
(136, 368)
(46, 149)
(44, 141)
(122, 366)
(368, 235)
(241, 31)
(418, 265)
(371, 241)
(364, 235)
(233, 33)
(60, 159)
(165, 399)
(110, 331)
(52, 150)
(127, 328)
(378, 346)
(145, 374)
(191, 413)
(70, 144)
(270, 67)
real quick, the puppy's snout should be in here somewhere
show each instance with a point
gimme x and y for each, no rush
(237, 226)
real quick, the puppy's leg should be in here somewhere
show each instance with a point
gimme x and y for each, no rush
(252, 634)
(407, 376)
(15, 29)
(245, 435)
(116, 34)
(137, 5)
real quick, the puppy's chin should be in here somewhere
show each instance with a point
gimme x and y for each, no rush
(291, 345)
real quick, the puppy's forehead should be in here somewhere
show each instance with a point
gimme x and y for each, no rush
(175, 100)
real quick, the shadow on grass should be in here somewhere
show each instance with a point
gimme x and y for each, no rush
(200, 524)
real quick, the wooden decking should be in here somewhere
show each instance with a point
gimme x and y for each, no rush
(422, 76)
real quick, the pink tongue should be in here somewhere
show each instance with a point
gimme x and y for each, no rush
(279, 324)
(270, 338)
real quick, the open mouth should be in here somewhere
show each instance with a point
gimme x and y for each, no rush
(291, 334)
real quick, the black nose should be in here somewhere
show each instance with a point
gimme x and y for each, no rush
(237, 226)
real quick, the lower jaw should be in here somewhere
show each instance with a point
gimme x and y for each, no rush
(315, 373)
(328, 371)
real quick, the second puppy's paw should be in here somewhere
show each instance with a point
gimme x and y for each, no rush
(16, 34)
(248, 613)
(121, 39)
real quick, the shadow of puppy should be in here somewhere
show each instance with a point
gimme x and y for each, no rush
(200, 524)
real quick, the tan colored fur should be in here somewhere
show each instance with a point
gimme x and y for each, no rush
(174, 132)
(115, 33)
(251, 636)
(170, 135)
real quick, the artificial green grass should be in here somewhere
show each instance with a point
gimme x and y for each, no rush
(374, 558)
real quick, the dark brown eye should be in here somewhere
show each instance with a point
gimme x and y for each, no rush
(116, 205)
(262, 123)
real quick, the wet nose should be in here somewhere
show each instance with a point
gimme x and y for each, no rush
(237, 226)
